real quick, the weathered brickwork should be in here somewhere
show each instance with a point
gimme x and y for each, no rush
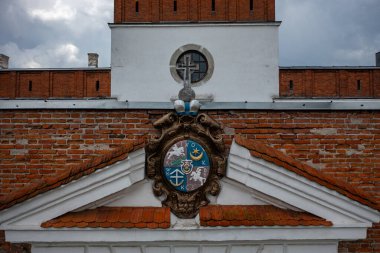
(36, 143)
(55, 83)
(330, 83)
(155, 11)
(346, 145)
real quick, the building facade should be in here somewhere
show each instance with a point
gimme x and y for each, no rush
(195, 140)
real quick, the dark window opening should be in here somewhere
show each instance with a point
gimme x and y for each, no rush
(30, 85)
(212, 5)
(359, 85)
(291, 85)
(97, 85)
(199, 60)
(251, 5)
(175, 6)
(137, 6)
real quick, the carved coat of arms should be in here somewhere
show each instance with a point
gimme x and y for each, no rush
(186, 162)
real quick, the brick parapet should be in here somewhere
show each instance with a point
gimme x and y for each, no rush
(58, 83)
(294, 83)
(330, 83)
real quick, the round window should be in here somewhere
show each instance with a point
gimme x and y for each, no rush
(199, 64)
(195, 58)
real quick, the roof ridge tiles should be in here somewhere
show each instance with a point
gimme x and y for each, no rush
(112, 217)
(257, 215)
(73, 173)
(263, 151)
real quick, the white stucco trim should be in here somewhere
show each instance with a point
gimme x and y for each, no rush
(309, 246)
(275, 105)
(194, 247)
(31, 213)
(297, 191)
(186, 235)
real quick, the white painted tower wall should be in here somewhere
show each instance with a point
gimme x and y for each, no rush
(245, 60)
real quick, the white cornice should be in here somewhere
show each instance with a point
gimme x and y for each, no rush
(187, 235)
(112, 103)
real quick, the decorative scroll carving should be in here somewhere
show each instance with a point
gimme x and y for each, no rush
(205, 135)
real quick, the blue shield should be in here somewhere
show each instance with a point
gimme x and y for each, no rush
(186, 166)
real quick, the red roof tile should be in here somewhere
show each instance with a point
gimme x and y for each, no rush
(224, 216)
(113, 217)
(263, 151)
(72, 173)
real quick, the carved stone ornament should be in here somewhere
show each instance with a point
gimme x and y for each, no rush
(186, 162)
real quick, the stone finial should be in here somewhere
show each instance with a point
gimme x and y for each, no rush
(378, 59)
(4, 61)
(93, 59)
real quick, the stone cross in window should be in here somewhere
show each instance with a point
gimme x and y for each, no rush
(188, 67)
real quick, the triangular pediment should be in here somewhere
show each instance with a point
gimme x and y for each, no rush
(258, 178)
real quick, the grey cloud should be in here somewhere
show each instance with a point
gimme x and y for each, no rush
(320, 32)
(38, 33)
(314, 32)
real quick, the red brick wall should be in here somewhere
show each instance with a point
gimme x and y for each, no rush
(181, 14)
(55, 83)
(332, 83)
(45, 141)
(325, 83)
(345, 145)
(7, 87)
(193, 10)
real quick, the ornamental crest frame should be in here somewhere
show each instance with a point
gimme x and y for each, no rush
(200, 130)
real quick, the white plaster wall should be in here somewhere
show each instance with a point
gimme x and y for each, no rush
(141, 194)
(279, 247)
(245, 58)
(234, 193)
(137, 195)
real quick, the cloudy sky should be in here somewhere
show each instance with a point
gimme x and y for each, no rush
(60, 33)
